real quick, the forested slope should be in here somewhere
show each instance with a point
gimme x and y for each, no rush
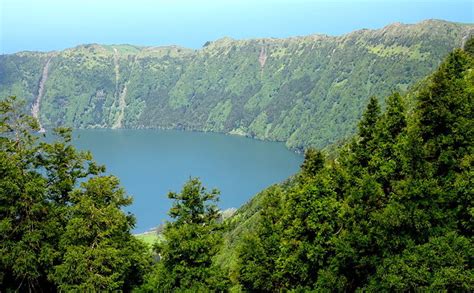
(305, 91)
(392, 210)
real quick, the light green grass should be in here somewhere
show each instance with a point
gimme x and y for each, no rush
(149, 238)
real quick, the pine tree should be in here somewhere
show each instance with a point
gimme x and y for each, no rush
(191, 241)
(27, 229)
(100, 253)
(367, 124)
(441, 264)
(393, 120)
(313, 162)
(445, 109)
(364, 145)
(259, 249)
(392, 212)
(386, 161)
(310, 218)
(54, 235)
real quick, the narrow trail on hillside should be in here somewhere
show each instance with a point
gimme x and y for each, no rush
(35, 109)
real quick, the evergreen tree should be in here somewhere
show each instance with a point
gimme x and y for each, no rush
(191, 242)
(99, 251)
(441, 264)
(310, 219)
(393, 121)
(357, 156)
(392, 212)
(443, 135)
(54, 235)
(386, 161)
(445, 112)
(313, 162)
(259, 249)
(367, 132)
(28, 246)
(64, 165)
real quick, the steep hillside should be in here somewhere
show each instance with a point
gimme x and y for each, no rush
(392, 212)
(305, 91)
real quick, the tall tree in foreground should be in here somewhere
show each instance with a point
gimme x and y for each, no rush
(392, 212)
(190, 242)
(28, 233)
(259, 250)
(367, 134)
(53, 234)
(99, 251)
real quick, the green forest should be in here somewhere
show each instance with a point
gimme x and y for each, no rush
(307, 91)
(389, 210)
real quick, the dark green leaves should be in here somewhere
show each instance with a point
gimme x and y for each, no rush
(392, 212)
(190, 243)
(55, 234)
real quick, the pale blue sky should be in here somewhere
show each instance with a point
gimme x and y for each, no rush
(58, 24)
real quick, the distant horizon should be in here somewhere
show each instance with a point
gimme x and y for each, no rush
(54, 25)
(223, 37)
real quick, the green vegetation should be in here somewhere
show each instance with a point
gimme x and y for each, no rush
(390, 210)
(149, 238)
(190, 242)
(305, 91)
(57, 234)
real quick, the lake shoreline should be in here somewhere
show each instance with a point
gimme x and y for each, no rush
(153, 162)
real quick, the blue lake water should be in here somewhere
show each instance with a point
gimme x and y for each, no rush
(150, 163)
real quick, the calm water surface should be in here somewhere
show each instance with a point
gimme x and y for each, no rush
(150, 163)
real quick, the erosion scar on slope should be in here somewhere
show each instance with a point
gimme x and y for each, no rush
(35, 109)
(262, 58)
(122, 104)
(117, 69)
(119, 95)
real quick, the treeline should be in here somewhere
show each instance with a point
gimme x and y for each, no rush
(392, 211)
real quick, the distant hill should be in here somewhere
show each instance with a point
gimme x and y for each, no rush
(305, 91)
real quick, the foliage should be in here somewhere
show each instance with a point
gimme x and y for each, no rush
(99, 251)
(440, 264)
(189, 243)
(391, 212)
(56, 235)
(310, 91)
(313, 162)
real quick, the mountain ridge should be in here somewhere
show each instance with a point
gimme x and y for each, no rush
(304, 91)
(145, 47)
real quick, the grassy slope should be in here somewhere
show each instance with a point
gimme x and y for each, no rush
(148, 238)
(246, 217)
(305, 91)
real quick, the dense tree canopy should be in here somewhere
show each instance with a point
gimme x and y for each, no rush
(54, 233)
(391, 210)
(310, 91)
(190, 242)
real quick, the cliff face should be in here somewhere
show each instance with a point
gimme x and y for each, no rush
(304, 90)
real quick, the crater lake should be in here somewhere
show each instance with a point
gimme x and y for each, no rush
(151, 163)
